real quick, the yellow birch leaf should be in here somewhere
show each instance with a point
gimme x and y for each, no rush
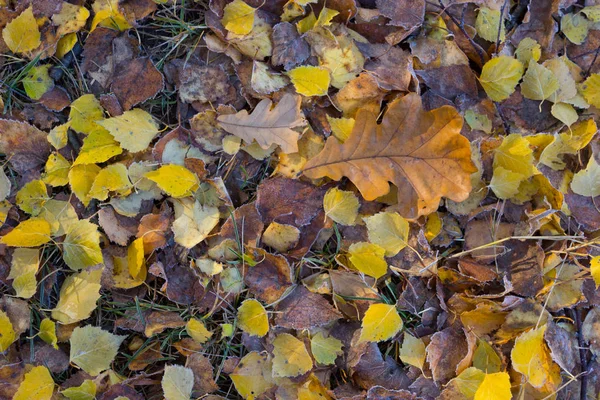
(587, 181)
(78, 296)
(565, 113)
(107, 14)
(85, 391)
(539, 82)
(113, 178)
(487, 24)
(590, 89)
(478, 121)
(37, 82)
(7, 333)
(22, 34)
(281, 237)
(592, 12)
(341, 128)
(58, 136)
(196, 329)
(531, 357)
(500, 76)
(177, 382)
(81, 247)
(325, 16)
(433, 226)
(29, 233)
(135, 259)
(65, 45)
(494, 387)
(341, 206)
(306, 23)
(252, 375)
(60, 215)
(175, 180)
(193, 221)
(310, 81)
(238, 17)
(38, 384)
(412, 351)
(595, 270)
(48, 332)
(505, 183)
(134, 129)
(57, 170)
(528, 49)
(70, 19)
(568, 142)
(388, 230)
(24, 266)
(32, 197)
(252, 318)
(208, 266)
(575, 27)
(381, 322)
(98, 147)
(325, 350)
(290, 357)
(84, 113)
(368, 258)
(94, 349)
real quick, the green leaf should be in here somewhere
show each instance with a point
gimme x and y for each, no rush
(539, 82)
(94, 349)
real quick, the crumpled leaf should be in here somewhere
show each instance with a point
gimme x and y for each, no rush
(193, 222)
(94, 349)
(411, 148)
(268, 126)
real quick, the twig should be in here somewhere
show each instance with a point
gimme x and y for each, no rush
(469, 38)
(500, 26)
(582, 353)
(587, 73)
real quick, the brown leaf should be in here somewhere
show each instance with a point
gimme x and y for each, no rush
(591, 331)
(362, 92)
(118, 228)
(43, 354)
(446, 349)
(268, 126)
(136, 81)
(270, 278)
(24, 145)
(152, 229)
(585, 210)
(303, 309)
(563, 347)
(11, 376)
(421, 152)
(56, 99)
(203, 374)
(451, 81)
(522, 264)
(18, 312)
(391, 66)
(289, 48)
(405, 13)
(204, 84)
(245, 223)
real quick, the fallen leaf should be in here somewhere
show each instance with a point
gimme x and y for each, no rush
(325, 350)
(500, 76)
(77, 297)
(29, 233)
(238, 17)
(134, 129)
(38, 384)
(22, 34)
(290, 357)
(177, 382)
(94, 349)
(381, 322)
(252, 375)
(310, 81)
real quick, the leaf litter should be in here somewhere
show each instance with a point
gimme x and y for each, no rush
(299, 199)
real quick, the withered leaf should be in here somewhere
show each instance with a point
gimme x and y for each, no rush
(136, 81)
(270, 278)
(303, 309)
(289, 48)
(268, 126)
(24, 145)
(421, 152)
(405, 13)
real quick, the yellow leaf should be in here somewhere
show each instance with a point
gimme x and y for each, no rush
(24, 267)
(252, 318)
(494, 387)
(60, 215)
(37, 82)
(84, 113)
(531, 357)
(193, 222)
(93, 349)
(505, 183)
(264, 80)
(565, 113)
(252, 375)
(590, 89)
(528, 49)
(78, 296)
(70, 19)
(107, 14)
(468, 381)
(368, 258)
(325, 16)
(196, 329)
(32, 197)
(238, 17)
(113, 178)
(487, 24)
(135, 259)
(290, 357)
(81, 247)
(175, 180)
(412, 351)
(513, 164)
(30, 233)
(38, 384)
(341, 206)
(381, 322)
(539, 82)
(325, 350)
(58, 136)
(485, 357)
(177, 382)
(341, 128)
(65, 45)
(22, 33)
(208, 266)
(595, 269)
(134, 129)
(310, 81)
(7, 333)
(306, 23)
(281, 237)
(48, 332)
(575, 27)
(568, 142)
(388, 230)
(257, 44)
(500, 76)
(592, 12)
(587, 181)
(99, 146)
(85, 391)
(478, 121)
(57, 170)
(433, 226)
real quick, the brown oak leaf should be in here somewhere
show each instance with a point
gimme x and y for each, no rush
(421, 152)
